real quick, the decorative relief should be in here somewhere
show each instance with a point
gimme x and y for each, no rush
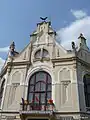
(58, 53)
(16, 84)
(16, 77)
(47, 39)
(10, 117)
(64, 74)
(65, 79)
(24, 56)
(65, 83)
(12, 93)
(65, 90)
(37, 43)
(86, 56)
(59, 117)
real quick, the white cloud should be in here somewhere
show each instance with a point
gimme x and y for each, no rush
(4, 49)
(71, 32)
(78, 13)
(2, 61)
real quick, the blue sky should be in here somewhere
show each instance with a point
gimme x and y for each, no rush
(18, 19)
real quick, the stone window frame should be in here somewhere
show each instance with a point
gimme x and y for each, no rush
(41, 52)
(46, 83)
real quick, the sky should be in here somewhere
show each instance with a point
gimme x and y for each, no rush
(18, 19)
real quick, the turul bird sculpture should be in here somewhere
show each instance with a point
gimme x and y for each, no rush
(43, 18)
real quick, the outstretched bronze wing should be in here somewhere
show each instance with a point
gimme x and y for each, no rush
(43, 18)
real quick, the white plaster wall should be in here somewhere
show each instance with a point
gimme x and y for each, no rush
(14, 89)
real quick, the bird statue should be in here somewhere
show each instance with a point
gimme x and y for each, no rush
(43, 18)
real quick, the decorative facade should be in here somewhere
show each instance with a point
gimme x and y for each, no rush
(44, 81)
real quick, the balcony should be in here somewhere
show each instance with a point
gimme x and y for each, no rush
(34, 109)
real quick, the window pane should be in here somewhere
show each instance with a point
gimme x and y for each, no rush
(36, 98)
(87, 81)
(41, 76)
(37, 54)
(37, 86)
(48, 95)
(88, 101)
(32, 80)
(43, 86)
(87, 77)
(30, 97)
(45, 53)
(38, 77)
(88, 88)
(31, 89)
(42, 98)
(49, 87)
(49, 79)
(85, 89)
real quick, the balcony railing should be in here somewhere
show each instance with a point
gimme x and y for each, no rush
(36, 107)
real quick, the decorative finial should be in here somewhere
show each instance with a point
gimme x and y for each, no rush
(44, 19)
(12, 48)
(81, 36)
(73, 45)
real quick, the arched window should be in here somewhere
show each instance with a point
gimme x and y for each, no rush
(37, 54)
(86, 81)
(39, 90)
(1, 90)
(41, 53)
(45, 53)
